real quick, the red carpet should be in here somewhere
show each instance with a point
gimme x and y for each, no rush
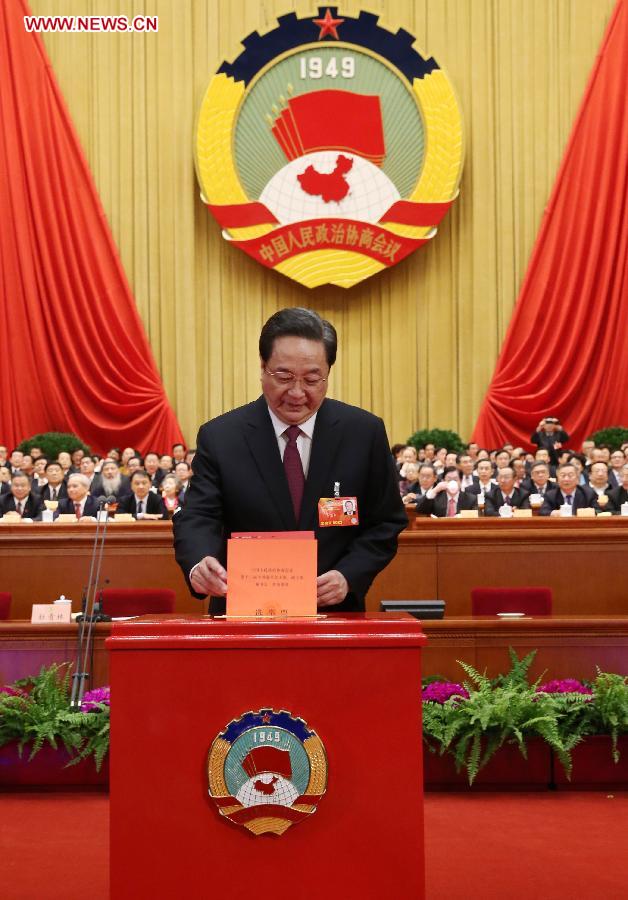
(54, 846)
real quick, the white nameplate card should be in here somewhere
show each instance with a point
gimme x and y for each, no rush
(47, 613)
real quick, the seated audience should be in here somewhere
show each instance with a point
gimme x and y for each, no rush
(472, 450)
(587, 447)
(4, 455)
(170, 495)
(429, 452)
(183, 473)
(88, 469)
(127, 453)
(55, 488)
(15, 461)
(408, 457)
(39, 480)
(619, 495)
(568, 493)
(485, 482)
(36, 453)
(133, 464)
(165, 463)
(408, 484)
(505, 494)
(446, 498)
(178, 453)
(518, 466)
(114, 454)
(598, 481)
(65, 461)
(142, 503)
(502, 460)
(152, 469)
(5, 480)
(21, 499)
(79, 501)
(469, 478)
(114, 483)
(76, 456)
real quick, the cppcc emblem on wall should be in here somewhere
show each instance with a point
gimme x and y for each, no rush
(266, 771)
(330, 149)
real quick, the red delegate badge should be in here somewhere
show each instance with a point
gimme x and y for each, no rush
(337, 511)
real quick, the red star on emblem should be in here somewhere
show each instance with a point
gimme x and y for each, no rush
(266, 719)
(328, 25)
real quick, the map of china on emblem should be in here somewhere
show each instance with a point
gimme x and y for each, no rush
(266, 771)
(330, 149)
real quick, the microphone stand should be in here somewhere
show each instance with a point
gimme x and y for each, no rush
(91, 609)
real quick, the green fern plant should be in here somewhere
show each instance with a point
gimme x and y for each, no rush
(37, 711)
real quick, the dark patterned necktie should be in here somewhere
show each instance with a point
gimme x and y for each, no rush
(294, 468)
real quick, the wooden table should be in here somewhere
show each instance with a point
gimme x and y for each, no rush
(568, 646)
(584, 561)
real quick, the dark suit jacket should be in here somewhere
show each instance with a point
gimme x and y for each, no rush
(5, 487)
(62, 492)
(349, 446)
(438, 506)
(614, 478)
(66, 507)
(495, 499)
(32, 510)
(529, 486)
(95, 487)
(547, 441)
(152, 504)
(616, 497)
(584, 496)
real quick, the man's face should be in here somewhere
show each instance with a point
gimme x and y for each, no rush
(587, 447)
(540, 475)
(87, 466)
(109, 469)
(5, 474)
(165, 462)
(77, 456)
(76, 489)
(182, 472)
(485, 470)
(450, 459)
(20, 488)
(27, 463)
(502, 459)
(178, 453)
(141, 486)
(427, 477)
(518, 467)
(542, 455)
(466, 464)
(408, 455)
(452, 476)
(617, 459)
(16, 459)
(597, 455)
(506, 480)
(430, 450)
(349, 507)
(35, 453)
(3, 452)
(295, 403)
(40, 466)
(473, 450)
(567, 479)
(133, 465)
(65, 460)
(54, 474)
(151, 463)
(483, 454)
(598, 475)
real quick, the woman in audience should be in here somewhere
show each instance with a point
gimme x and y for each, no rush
(170, 488)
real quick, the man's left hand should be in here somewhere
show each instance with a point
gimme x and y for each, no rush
(331, 588)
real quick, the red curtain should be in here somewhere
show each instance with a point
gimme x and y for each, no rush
(73, 353)
(566, 349)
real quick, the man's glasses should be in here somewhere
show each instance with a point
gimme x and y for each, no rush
(289, 379)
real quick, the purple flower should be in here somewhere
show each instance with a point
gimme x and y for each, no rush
(91, 699)
(441, 691)
(563, 686)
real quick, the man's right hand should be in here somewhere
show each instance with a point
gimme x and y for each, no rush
(209, 577)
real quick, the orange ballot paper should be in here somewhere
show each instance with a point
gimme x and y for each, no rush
(272, 574)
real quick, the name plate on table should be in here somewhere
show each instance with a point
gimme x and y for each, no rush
(272, 574)
(45, 613)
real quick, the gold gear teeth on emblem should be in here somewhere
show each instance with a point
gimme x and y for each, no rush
(216, 768)
(214, 148)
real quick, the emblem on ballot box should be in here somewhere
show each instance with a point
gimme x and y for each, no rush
(330, 148)
(266, 771)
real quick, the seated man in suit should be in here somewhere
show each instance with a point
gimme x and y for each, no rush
(598, 482)
(56, 488)
(142, 503)
(21, 499)
(427, 479)
(505, 494)
(155, 473)
(447, 498)
(538, 481)
(88, 468)
(615, 472)
(5, 479)
(568, 493)
(485, 482)
(470, 480)
(79, 502)
(619, 495)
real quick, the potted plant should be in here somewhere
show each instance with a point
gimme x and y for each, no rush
(44, 741)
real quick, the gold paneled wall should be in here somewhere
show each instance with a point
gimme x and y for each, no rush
(418, 344)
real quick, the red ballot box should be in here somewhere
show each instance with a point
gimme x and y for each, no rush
(266, 757)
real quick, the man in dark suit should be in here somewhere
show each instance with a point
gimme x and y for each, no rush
(79, 501)
(619, 495)
(56, 488)
(142, 503)
(298, 447)
(551, 436)
(568, 493)
(538, 480)
(505, 494)
(21, 499)
(446, 499)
